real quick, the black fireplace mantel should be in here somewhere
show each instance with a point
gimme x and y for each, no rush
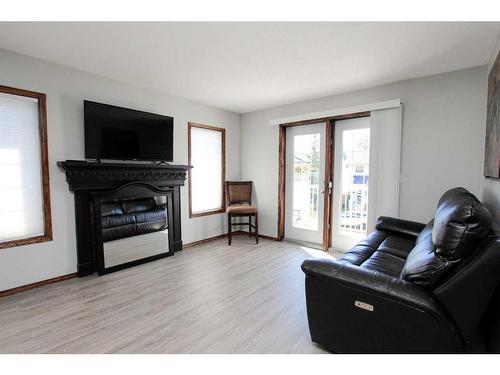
(83, 175)
(88, 178)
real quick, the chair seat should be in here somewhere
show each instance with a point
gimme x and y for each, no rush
(241, 209)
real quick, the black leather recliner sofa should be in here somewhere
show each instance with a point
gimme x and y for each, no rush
(412, 288)
(130, 217)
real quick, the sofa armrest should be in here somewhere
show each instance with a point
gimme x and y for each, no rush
(376, 282)
(352, 309)
(404, 227)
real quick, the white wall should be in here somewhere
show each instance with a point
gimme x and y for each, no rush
(491, 191)
(443, 145)
(66, 89)
(443, 140)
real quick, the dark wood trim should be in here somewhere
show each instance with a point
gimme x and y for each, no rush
(281, 182)
(351, 115)
(329, 154)
(25, 241)
(42, 115)
(270, 238)
(21, 92)
(246, 233)
(328, 187)
(42, 112)
(223, 174)
(326, 119)
(239, 232)
(206, 213)
(38, 284)
(306, 122)
(205, 240)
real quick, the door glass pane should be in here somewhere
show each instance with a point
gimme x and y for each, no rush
(306, 176)
(355, 175)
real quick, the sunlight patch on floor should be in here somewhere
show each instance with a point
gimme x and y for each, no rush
(318, 254)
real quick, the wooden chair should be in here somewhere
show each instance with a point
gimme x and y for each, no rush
(239, 197)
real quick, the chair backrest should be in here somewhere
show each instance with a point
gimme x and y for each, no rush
(239, 192)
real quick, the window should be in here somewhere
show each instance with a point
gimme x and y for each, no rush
(24, 182)
(207, 156)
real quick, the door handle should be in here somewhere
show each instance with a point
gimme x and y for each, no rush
(330, 187)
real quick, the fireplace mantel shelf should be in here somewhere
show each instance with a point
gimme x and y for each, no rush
(84, 175)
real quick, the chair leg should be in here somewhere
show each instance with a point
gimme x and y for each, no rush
(257, 228)
(229, 229)
(249, 225)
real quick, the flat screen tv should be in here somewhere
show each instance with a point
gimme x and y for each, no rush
(125, 134)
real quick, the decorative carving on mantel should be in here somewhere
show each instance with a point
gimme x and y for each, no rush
(124, 175)
(85, 175)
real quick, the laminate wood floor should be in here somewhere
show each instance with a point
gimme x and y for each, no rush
(210, 298)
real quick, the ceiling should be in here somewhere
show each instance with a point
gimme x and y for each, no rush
(244, 67)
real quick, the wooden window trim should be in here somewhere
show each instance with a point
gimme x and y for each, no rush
(42, 121)
(223, 175)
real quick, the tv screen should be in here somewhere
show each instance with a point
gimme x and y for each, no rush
(125, 134)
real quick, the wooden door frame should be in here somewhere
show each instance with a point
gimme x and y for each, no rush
(328, 186)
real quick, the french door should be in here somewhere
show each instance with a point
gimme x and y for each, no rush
(350, 182)
(305, 170)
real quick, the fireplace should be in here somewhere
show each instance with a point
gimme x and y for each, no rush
(126, 214)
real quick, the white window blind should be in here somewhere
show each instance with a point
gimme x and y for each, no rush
(206, 174)
(21, 198)
(385, 164)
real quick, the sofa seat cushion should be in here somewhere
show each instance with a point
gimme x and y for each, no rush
(153, 215)
(117, 220)
(381, 251)
(386, 263)
(121, 231)
(398, 246)
(150, 226)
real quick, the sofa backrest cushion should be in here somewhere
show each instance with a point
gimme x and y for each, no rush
(422, 265)
(111, 207)
(138, 205)
(460, 224)
(451, 194)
